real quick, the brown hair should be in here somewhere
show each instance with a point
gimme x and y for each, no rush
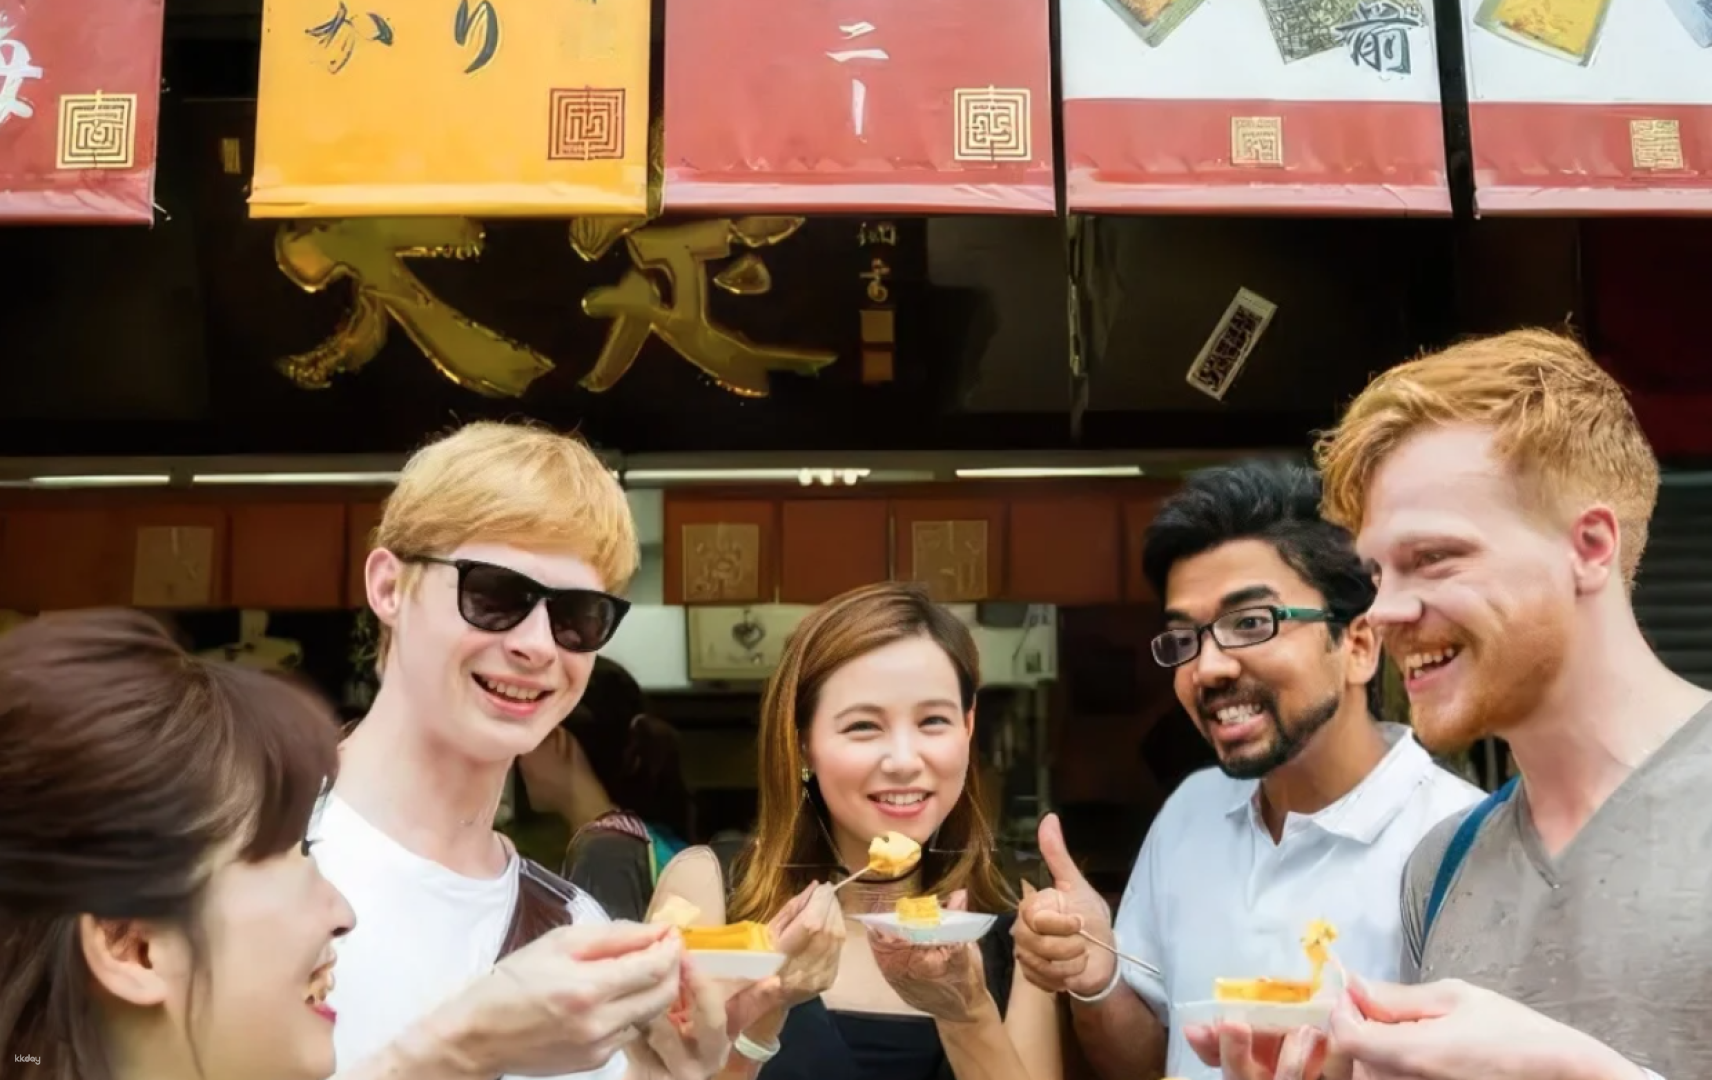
(790, 839)
(1560, 423)
(127, 764)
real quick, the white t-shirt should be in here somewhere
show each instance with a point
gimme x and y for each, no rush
(1212, 896)
(423, 933)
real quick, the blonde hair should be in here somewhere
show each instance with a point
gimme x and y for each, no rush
(790, 846)
(509, 484)
(1560, 423)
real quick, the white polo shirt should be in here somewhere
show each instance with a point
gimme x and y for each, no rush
(1212, 896)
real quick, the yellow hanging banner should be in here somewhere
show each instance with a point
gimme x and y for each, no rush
(485, 108)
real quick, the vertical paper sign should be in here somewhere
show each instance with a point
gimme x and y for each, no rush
(79, 105)
(883, 106)
(491, 108)
(1310, 106)
(1590, 106)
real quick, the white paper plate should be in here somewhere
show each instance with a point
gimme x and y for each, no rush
(955, 927)
(732, 965)
(1267, 1015)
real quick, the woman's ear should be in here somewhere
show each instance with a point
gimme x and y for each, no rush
(126, 959)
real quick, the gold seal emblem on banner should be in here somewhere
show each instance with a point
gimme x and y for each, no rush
(1257, 140)
(1656, 145)
(993, 124)
(97, 131)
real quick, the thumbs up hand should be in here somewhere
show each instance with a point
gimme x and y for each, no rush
(1049, 950)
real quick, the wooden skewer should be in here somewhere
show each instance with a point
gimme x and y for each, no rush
(869, 869)
(852, 877)
(1142, 964)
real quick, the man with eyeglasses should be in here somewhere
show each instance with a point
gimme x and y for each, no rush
(493, 577)
(1312, 812)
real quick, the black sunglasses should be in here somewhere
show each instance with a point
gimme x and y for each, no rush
(497, 599)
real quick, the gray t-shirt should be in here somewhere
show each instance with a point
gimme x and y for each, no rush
(1614, 936)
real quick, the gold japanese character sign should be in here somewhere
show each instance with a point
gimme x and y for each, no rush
(878, 241)
(372, 254)
(679, 254)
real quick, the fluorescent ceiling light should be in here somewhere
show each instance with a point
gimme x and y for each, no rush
(1045, 472)
(770, 476)
(99, 481)
(300, 478)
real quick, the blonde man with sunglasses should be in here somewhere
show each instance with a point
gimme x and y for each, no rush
(494, 577)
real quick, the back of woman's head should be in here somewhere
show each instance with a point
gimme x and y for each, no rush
(128, 764)
(634, 756)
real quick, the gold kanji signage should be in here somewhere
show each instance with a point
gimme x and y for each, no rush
(371, 254)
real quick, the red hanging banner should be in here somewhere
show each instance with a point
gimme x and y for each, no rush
(1269, 106)
(1590, 106)
(875, 106)
(79, 103)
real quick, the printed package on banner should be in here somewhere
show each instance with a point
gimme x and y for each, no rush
(79, 108)
(490, 108)
(1309, 106)
(1590, 106)
(860, 105)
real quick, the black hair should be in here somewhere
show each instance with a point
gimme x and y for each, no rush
(1277, 502)
(635, 756)
(613, 694)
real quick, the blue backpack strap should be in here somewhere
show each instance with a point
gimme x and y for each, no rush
(1460, 843)
(663, 844)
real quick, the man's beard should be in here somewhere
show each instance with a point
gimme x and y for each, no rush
(1504, 685)
(1289, 736)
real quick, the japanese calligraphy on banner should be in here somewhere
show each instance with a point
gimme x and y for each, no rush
(859, 105)
(79, 103)
(1309, 106)
(1590, 106)
(493, 108)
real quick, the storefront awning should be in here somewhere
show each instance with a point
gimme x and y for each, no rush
(79, 107)
(888, 106)
(1590, 106)
(1265, 106)
(492, 108)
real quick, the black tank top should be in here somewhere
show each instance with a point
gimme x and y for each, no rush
(818, 1043)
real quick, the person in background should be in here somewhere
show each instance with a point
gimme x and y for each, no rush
(160, 915)
(1502, 490)
(867, 727)
(494, 574)
(610, 777)
(1312, 812)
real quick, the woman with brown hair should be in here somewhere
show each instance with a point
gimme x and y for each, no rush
(160, 915)
(866, 728)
